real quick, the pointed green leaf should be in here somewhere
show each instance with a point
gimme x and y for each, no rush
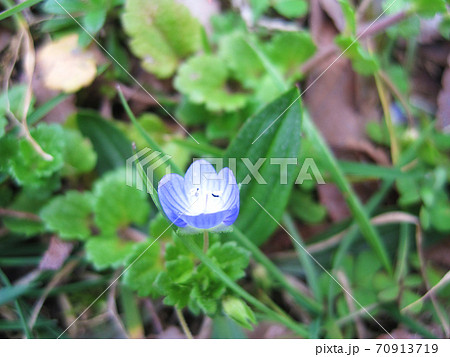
(280, 125)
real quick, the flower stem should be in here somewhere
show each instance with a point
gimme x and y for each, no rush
(183, 323)
(205, 241)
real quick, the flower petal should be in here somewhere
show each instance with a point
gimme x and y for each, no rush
(201, 174)
(173, 198)
(205, 220)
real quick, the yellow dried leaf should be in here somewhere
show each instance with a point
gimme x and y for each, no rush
(66, 66)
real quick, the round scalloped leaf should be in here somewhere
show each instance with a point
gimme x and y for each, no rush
(69, 215)
(291, 8)
(108, 251)
(162, 33)
(118, 205)
(204, 80)
(79, 155)
(30, 168)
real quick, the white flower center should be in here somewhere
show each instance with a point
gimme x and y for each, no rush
(205, 201)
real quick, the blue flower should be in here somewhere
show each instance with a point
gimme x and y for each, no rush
(203, 199)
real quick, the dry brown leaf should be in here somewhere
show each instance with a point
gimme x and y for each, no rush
(65, 66)
(55, 255)
(443, 100)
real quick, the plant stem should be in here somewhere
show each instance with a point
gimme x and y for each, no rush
(395, 152)
(205, 241)
(15, 9)
(382, 24)
(183, 323)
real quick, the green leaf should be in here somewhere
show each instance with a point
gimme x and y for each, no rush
(110, 144)
(144, 267)
(280, 140)
(429, 8)
(230, 258)
(444, 26)
(349, 16)
(3, 123)
(204, 80)
(162, 33)
(11, 293)
(108, 251)
(306, 208)
(30, 168)
(79, 156)
(52, 7)
(291, 8)
(118, 205)
(288, 50)
(259, 7)
(14, 97)
(362, 61)
(94, 20)
(240, 57)
(69, 215)
(239, 311)
(409, 27)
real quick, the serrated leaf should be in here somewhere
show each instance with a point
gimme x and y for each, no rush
(162, 33)
(282, 119)
(118, 205)
(69, 215)
(108, 251)
(30, 168)
(230, 258)
(144, 268)
(79, 155)
(204, 80)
